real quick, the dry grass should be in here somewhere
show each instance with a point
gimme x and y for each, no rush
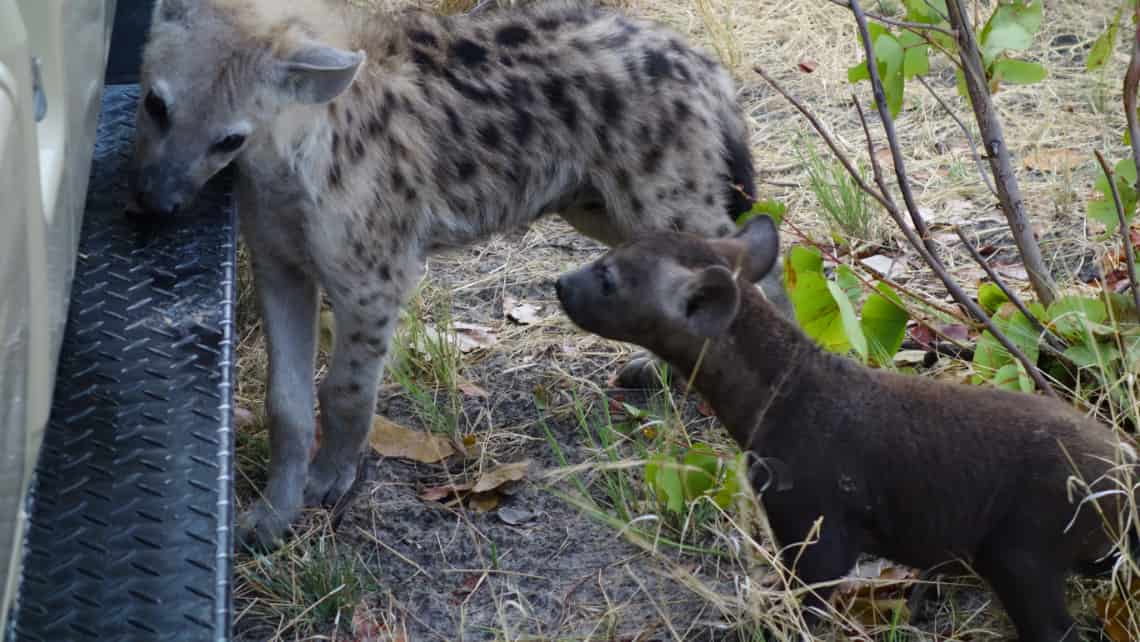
(735, 581)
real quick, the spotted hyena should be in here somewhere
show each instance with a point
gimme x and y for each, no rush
(365, 142)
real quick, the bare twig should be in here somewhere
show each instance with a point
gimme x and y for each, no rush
(1053, 342)
(1131, 81)
(889, 129)
(913, 26)
(1129, 255)
(969, 137)
(839, 154)
(1009, 192)
(888, 203)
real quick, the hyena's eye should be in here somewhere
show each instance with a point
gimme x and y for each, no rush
(156, 107)
(229, 144)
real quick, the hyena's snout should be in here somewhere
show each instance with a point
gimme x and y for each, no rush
(160, 190)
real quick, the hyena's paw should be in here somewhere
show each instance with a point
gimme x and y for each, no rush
(328, 482)
(639, 373)
(263, 527)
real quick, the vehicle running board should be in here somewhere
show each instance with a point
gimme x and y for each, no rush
(130, 534)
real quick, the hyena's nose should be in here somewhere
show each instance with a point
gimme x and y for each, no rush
(158, 203)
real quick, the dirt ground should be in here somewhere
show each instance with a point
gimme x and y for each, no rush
(392, 566)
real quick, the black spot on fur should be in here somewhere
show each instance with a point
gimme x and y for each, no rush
(348, 117)
(334, 175)
(411, 194)
(623, 179)
(614, 40)
(507, 61)
(662, 194)
(421, 37)
(657, 66)
(613, 106)
(354, 388)
(682, 109)
(710, 200)
(724, 230)
(385, 273)
(359, 249)
(637, 205)
(335, 143)
(356, 337)
(426, 62)
(604, 142)
(454, 121)
(468, 89)
(377, 345)
(490, 137)
(397, 179)
(651, 162)
(580, 45)
(469, 52)
(690, 185)
(512, 35)
(554, 89)
(355, 364)
(358, 150)
(465, 168)
(548, 24)
(532, 61)
(740, 171)
(382, 322)
(376, 124)
(678, 223)
(522, 126)
(683, 72)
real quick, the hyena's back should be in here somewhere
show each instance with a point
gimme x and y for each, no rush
(614, 122)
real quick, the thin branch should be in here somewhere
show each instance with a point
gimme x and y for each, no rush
(1009, 192)
(818, 126)
(1131, 81)
(969, 137)
(889, 129)
(1129, 255)
(1052, 340)
(914, 26)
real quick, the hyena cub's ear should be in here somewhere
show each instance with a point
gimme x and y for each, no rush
(753, 249)
(706, 302)
(316, 73)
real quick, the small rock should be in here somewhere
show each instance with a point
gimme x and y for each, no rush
(515, 516)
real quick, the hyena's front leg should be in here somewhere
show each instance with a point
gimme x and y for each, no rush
(366, 309)
(289, 303)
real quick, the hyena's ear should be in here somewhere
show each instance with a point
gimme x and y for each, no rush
(753, 249)
(316, 74)
(706, 302)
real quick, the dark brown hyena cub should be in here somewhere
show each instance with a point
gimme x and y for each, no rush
(915, 470)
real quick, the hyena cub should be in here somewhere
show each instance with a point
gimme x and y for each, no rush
(916, 470)
(365, 142)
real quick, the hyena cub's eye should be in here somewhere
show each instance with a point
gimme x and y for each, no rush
(156, 107)
(229, 144)
(606, 278)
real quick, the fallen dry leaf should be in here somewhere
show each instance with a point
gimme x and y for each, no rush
(515, 516)
(474, 337)
(438, 493)
(807, 66)
(1120, 615)
(472, 390)
(504, 474)
(886, 265)
(1054, 160)
(328, 331)
(909, 357)
(483, 502)
(524, 314)
(393, 440)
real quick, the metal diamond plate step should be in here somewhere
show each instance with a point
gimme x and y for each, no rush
(130, 535)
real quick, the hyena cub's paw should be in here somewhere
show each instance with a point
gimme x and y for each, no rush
(329, 483)
(263, 527)
(641, 372)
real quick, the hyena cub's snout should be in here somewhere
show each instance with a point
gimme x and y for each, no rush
(160, 191)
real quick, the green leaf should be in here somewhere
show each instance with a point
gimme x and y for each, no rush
(890, 55)
(884, 324)
(1011, 27)
(663, 475)
(730, 486)
(1071, 317)
(801, 259)
(1012, 376)
(769, 207)
(852, 287)
(858, 72)
(818, 312)
(990, 356)
(848, 320)
(1092, 354)
(700, 472)
(916, 59)
(1103, 209)
(991, 297)
(928, 11)
(1018, 72)
(1103, 47)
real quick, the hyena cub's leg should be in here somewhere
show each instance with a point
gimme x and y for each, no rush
(366, 306)
(289, 300)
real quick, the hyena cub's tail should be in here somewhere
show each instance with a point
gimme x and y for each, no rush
(741, 173)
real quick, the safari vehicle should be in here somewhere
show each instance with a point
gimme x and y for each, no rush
(115, 352)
